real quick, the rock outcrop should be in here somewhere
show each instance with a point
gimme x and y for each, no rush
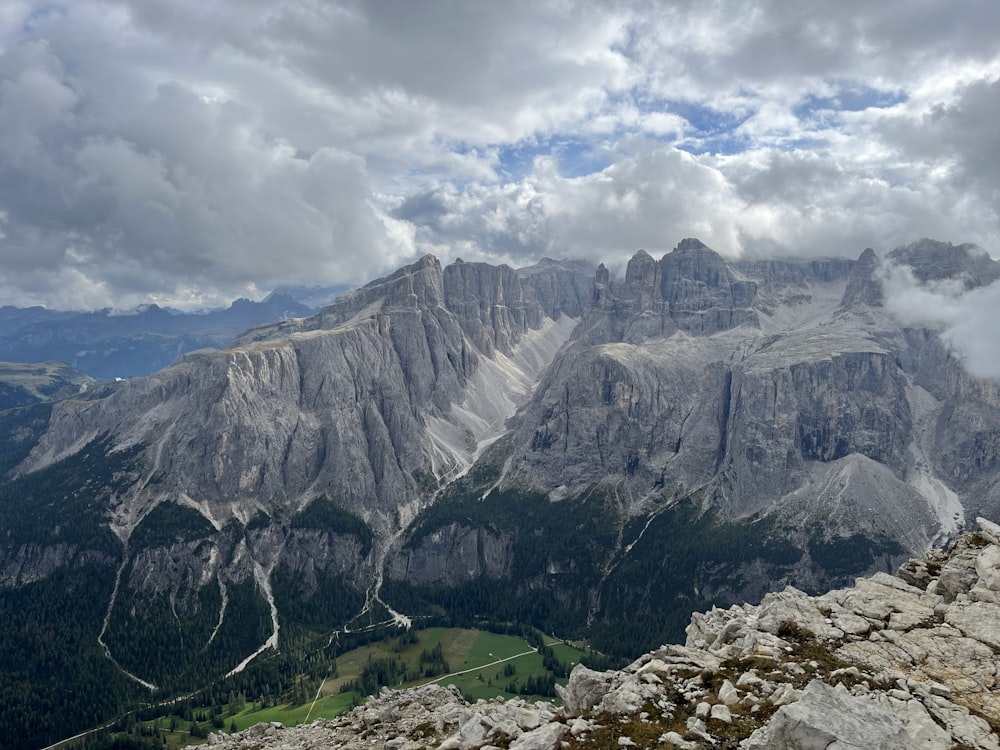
(905, 661)
(691, 289)
(931, 260)
(863, 287)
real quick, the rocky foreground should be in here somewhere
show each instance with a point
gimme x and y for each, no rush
(905, 661)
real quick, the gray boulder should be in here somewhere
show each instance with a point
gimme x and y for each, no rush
(585, 689)
(829, 718)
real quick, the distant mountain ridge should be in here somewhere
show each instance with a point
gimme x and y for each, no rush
(27, 384)
(108, 343)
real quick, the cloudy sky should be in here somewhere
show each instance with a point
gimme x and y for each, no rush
(191, 151)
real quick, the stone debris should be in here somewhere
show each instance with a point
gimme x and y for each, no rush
(907, 661)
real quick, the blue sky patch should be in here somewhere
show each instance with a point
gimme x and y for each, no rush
(576, 157)
(705, 120)
(710, 130)
(856, 99)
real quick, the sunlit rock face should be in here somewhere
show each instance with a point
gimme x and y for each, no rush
(370, 405)
(766, 386)
(393, 385)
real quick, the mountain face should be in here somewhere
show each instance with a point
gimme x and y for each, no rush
(546, 445)
(382, 393)
(768, 391)
(712, 431)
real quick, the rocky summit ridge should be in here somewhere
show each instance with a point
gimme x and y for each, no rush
(904, 661)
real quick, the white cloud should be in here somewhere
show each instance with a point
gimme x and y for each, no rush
(966, 317)
(176, 145)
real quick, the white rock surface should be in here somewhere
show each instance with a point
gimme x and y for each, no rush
(833, 719)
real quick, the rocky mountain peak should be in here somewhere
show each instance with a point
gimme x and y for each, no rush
(932, 260)
(419, 284)
(863, 286)
(690, 288)
(868, 257)
(693, 261)
(692, 244)
(547, 263)
(643, 270)
(561, 287)
(703, 294)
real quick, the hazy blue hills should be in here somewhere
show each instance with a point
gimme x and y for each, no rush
(108, 343)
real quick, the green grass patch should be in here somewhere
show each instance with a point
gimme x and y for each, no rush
(489, 647)
(567, 654)
(326, 707)
(351, 664)
(488, 682)
(483, 664)
(496, 663)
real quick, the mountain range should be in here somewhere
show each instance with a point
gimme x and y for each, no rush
(107, 344)
(547, 445)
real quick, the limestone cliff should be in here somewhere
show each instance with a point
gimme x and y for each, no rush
(278, 470)
(368, 401)
(769, 387)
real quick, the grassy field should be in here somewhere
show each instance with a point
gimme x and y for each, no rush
(478, 661)
(566, 653)
(483, 665)
(494, 661)
(325, 707)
